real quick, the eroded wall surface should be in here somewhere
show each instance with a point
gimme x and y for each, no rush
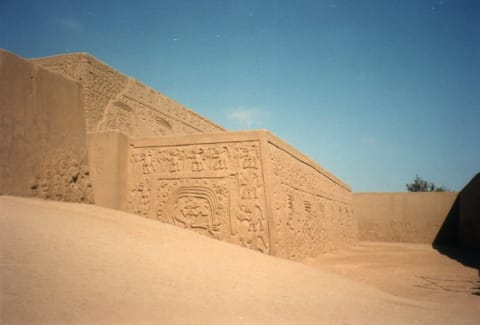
(402, 217)
(114, 101)
(248, 188)
(311, 209)
(43, 149)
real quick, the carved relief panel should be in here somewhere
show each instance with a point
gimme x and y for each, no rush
(309, 217)
(198, 204)
(214, 189)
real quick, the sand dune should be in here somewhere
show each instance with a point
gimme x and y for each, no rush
(65, 262)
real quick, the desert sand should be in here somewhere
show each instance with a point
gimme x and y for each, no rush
(77, 263)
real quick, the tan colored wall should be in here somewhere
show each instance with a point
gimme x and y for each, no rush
(81, 123)
(231, 186)
(114, 101)
(311, 209)
(108, 154)
(402, 217)
(42, 130)
(212, 184)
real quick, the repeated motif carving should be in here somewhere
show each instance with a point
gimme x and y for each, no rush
(311, 213)
(198, 158)
(213, 189)
(114, 101)
(220, 158)
(140, 198)
(217, 189)
(175, 160)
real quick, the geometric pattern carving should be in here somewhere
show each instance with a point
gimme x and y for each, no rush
(194, 206)
(248, 188)
(114, 101)
(216, 189)
(219, 187)
(312, 214)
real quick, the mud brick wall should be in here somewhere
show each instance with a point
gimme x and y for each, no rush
(114, 101)
(211, 184)
(248, 188)
(75, 129)
(43, 149)
(402, 217)
(311, 210)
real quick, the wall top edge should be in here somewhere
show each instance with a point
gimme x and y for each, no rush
(235, 136)
(275, 140)
(89, 57)
(12, 57)
(216, 137)
(405, 193)
(5, 51)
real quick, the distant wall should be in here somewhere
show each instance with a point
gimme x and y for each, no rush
(43, 148)
(402, 217)
(469, 221)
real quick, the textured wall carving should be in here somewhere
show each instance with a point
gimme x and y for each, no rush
(247, 188)
(43, 136)
(63, 178)
(311, 213)
(214, 189)
(219, 188)
(114, 101)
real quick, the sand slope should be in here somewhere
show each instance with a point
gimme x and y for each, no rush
(64, 262)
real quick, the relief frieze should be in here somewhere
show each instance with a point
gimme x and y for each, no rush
(214, 189)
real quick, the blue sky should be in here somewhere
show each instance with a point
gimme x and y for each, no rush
(374, 91)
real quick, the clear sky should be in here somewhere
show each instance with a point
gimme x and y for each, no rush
(375, 91)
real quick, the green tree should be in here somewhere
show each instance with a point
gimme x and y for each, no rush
(421, 185)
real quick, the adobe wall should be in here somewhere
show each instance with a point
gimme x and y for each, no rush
(82, 132)
(43, 148)
(108, 156)
(233, 187)
(114, 101)
(311, 209)
(402, 217)
(116, 104)
(212, 184)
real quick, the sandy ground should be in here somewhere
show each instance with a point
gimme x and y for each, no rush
(408, 270)
(73, 263)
